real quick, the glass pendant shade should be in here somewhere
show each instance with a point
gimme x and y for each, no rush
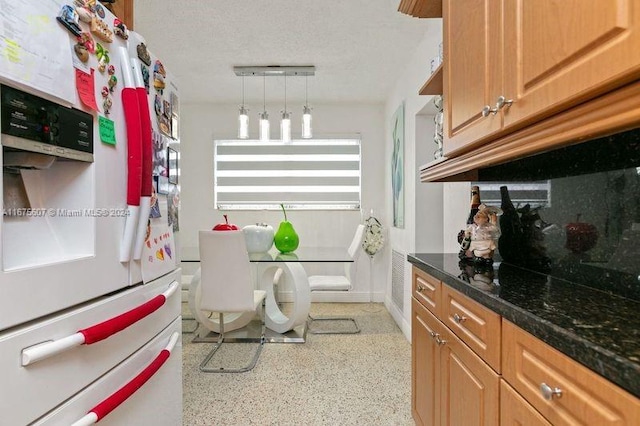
(264, 127)
(306, 123)
(285, 127)
(243, 123)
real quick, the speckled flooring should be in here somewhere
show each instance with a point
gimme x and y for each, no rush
(360, 379)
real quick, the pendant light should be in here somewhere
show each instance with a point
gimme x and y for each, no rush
(243, 118)
(264, 116)
(306, 114)
(285, 123)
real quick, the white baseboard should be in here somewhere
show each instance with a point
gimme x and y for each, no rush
(335, 297)
(399, 318)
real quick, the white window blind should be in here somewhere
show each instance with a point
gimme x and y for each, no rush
(318, 174)
(536, 194)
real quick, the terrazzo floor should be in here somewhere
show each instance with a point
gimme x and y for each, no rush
(359, 379)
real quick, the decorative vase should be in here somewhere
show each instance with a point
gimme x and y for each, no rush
(259, 237)
(286, 239)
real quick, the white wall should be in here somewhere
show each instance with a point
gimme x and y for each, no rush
(202, 123)
(434, 212)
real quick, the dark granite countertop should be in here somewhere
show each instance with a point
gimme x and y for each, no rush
(597, 329)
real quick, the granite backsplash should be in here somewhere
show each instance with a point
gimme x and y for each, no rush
(588, 229)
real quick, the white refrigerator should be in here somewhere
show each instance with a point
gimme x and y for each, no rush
(89, 284)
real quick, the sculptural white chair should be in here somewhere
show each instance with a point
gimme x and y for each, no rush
(318, 283)
(228, 287)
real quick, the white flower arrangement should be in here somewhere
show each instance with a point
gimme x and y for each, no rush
(373, 236)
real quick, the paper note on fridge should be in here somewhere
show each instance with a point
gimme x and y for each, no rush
(158, 252)
(107, 130)
(86, 88)
(38, 55)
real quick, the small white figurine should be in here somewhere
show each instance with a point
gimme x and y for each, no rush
(481, 237)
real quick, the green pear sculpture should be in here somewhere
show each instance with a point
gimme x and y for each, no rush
(285, 239)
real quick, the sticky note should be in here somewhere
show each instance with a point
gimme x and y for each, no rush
(85, 86)
(107, 130)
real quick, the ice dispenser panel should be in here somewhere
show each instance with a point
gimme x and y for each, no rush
(47, 159)
(34, 124)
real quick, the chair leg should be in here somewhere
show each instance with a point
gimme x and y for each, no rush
(218, 344)
(311, 320)
(194, 329)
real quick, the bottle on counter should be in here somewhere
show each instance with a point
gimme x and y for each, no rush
(475, 203)
(522, 240)
(510, 243)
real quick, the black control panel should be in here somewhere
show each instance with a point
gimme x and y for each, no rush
(35, 124)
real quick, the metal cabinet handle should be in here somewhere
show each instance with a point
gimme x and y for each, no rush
(550, 393)
(433, 334)
(420, 288)
(488, 110)
(459, 318)
(503, 102)
(439, 340)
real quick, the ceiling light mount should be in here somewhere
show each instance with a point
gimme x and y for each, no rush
(275, 71)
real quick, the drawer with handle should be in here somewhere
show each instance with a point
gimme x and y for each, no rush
(562, 390)
(426, 289)
(69, 350)
(477, 326)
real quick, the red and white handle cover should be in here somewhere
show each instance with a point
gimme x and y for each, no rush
(134, 131)
(97, 332)
(101, 410)
(145, 123)
(134, 155)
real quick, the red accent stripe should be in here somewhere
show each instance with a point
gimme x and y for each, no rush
(147, 144)
(107, 328)
(121, 395)
(134, 145)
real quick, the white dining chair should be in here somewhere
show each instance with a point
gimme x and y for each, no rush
(228, 287)
(319, 283)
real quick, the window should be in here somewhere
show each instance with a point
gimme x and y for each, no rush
(536, 194)
(318, 174)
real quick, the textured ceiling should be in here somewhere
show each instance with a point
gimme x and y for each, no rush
(359, 47)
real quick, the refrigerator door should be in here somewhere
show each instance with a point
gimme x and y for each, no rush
(159, 251)
(65, 250)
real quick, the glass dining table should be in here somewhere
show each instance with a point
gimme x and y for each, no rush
(289, 327)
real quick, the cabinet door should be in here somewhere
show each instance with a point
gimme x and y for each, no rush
(559, 53)
(425, 366)
(472, 71)
(516, 411)
(469, 388)
(563, 391)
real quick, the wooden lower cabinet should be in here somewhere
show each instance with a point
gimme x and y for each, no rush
(425, 366)
(562, 390)
(451, 384)
(469, 388)
(516, 411)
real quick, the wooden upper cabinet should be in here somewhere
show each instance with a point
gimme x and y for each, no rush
(421, 8)
(559, 53)
(540, 56)
(472, 70)
(123, 9)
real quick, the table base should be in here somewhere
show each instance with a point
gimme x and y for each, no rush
(252, 331)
